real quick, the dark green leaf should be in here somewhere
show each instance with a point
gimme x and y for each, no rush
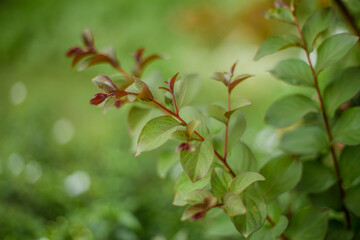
(281, 14)
(243, 180)
(350, 165)
(241, 159)
(347, 128)
(308, 224)
(316, 24)
(282, 174)
(316, 177)
(166, 161)
(293, 71)
(233, 205)
(217, 112)
(328, 199)
(337, 230)
(197, 163)
(288, 110)
(305, 140)
(155, 133)
(220, 181)
(352, 200)
(236, 104)
(345, 86)
(334, 49)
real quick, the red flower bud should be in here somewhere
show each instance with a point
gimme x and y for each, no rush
(185, 146)
(98, 98)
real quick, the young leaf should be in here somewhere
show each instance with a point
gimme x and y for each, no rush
(345, 86)
(196, 164)
(236, 104)
(233, 204)
(316, 24)
(281, 14)
(180, 91)
(308, 224)
(166, 161)
(255, 215)
(352, 199)
(334, 49)
(282, 174)
(201, 196)
(217, 112)
(347, 128)
(172, 82)
(350, 165)
(293, 71)
(275, 44)
(221, 77)
(190, 128)
(155, 133)
(305, 140)
(220, 181)
(145, 93)
(104, 83)
(194, 212)
(88, 38)
(243, 180)
(237, 80)
(316, 177)
(179, 135)
(288, 110)
(242, 159)
(237, 128)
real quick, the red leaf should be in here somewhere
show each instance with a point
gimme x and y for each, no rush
(98, 98)
(166, 89)
(74, 51)
(172, 82)
(238, 80)
(150, 59)
(88, 38)
(232, 69)
(138, 54)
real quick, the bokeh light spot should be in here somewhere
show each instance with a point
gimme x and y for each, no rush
(63, 131)
(33, 172)
(77, 183)
(15, 163)
(18, 93)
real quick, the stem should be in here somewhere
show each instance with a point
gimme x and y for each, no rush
(123, 72)
(224, 163)
(283, 237)
(327, 126)
(348, 16)
(175, 105)
(227, 130)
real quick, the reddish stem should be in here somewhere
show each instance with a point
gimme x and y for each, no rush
(223, 161)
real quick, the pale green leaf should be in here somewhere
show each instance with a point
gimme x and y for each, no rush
(350, 165)
(236, 104)
(241, 158)
(217, 112)
(237, 126)
(243, 180)
(201, 196)
(281, 14)
(137, 117)
(166, 161)
(220, 181)
(233, 205)
(191, 127)
(347, 128)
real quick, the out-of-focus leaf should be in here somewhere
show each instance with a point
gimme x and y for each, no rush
(243, 180)
(334, 49)
(337, 230)
(194, 212)
(282, 174)
(201, 196)
(255, 215)
(104, 83)
(190, 113)
(155, 133)
(237, 126)
(108, 104)
(305, 140)
(221, 77)
(237, 80)
(233, 204)
(275, 44)
(220, 181)
(316, 24)
(350, 165)
(279, 227)
(166, 161)
(316, 177)
(281, 14)
(217, 112)
(136, 117)
(352, 199)
(308, 224)
(293, 71)
(236, 104)
(196, 164)
(330, 198)
(180, 91)
(191, 127)
(288, 110)
(345, 86)
(88, 38)
(347, 128)
(241, 158)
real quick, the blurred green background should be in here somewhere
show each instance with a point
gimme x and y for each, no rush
(66, 170)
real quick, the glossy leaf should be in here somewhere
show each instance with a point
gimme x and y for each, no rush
(233, 204)
(281, 14)
(217, 112)
(316, 24)
(104, 83)
(237, 80)
(220, 181)
(255, 215)
(155, 133)
(345, 86)
(243, 180)
(352, 200)
(316, 177)
(237, 126)
(275, 44)
(288, 110)
(347, 128)
(166, 161)
(308, 224)
(294, 71)
(350, 165)
(282, 174)
(305, 140)
(196, 164)
(236, 104)
(334, 49)
(242, 159)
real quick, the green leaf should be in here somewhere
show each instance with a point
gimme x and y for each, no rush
(350, 165)
(217, 112)
(308, 224)
(236, 104)
(316, 177)
(288, 110)
(190, 113)
(220, 181)
(334, 49)
(201, 196)
(281, 14)
(243, 180)
(237, 128)
(194, 212)
(144, 90)
(316, 24)
(233, 204)
(190, 128)
(180, 135)
(136, 118)
(184, 185)
(282, 174)
(104, 83)
(352, 200)
(181, 87)
(330, 198)
(337, 230)
(155, 133)
(196, 164)
(305, 140)
(221, 77)
(241, 158)
(347, 128)
(255, 215)
(275, 44)
(294, 71)
(345, 86)
(166, 161)
(279, 227)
